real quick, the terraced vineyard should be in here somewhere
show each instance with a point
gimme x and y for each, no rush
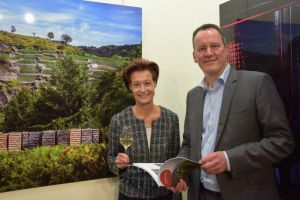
(32, 67)
(28, 60)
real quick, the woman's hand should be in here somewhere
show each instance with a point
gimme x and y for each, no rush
(180, 186)
(122, 160)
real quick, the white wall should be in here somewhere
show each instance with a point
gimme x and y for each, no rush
(167, 32)
(167, 39)
(102, 189)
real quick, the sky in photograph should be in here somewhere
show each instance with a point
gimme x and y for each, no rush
(88, 23)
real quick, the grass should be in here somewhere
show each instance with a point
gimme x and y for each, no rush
(26, 78)
(4, 56)
(49, 64)
(47, 58)
(80, 58)
(46, 71)
(25, 56)
(29, 51)
(97, 74)
(27, 61)
(27, 69)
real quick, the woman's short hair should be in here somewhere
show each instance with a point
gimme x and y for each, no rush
(140, 64)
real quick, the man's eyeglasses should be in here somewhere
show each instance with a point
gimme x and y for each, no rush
(203, 50)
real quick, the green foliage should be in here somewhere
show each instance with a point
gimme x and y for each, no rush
(44, 166)
(60, 47)
(114, 61)
(50, 35)
(81, 58)
(17, 114)
(112, 96)
(4, 65)
(13, 83)
(66, 38)
(27, 69)
(4, 56)
(138, 51)
(29, 51)
(47, 57)
(130, 51)
(27, 61)
(25, 56)
(28, 78)
(1, 120)
(65, 98)
(29, 44)
(4, 62)
(70, 50)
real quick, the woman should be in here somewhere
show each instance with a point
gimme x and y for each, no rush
(155, 134)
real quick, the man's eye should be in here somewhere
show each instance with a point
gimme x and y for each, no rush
(215, 46)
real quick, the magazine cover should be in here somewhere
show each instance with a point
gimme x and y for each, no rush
(169, 172)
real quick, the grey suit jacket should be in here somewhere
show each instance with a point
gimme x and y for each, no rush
(252, 129)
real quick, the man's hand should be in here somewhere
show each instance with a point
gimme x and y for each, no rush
(181, 186)
(122, 160)
(214, 163)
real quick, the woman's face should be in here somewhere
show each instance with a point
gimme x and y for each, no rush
(142, 87)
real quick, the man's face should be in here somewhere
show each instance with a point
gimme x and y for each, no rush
(210, 52)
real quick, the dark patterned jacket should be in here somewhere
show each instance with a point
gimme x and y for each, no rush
(164, 144)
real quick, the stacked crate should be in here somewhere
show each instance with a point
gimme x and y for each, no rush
(14, 141)
(48, 138)
(32, 139)
(86, 136)
(3, 142)
(97, 136)
(27, 140)
(63, 137)
(75, 136)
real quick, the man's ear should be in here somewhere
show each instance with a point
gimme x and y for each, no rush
(194, 57)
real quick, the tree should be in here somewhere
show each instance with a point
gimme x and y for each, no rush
(66, 38)
(64, 101)
(138, 51)
(13, 29)
(112, 97)
(50, 35)
(18, 113)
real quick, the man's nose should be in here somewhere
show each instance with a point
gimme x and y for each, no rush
(208, 51)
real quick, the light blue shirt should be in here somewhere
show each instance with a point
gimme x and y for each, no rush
(211, 112)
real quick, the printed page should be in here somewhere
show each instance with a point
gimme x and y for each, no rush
(152, 169)
(169, 172)
(176, 168)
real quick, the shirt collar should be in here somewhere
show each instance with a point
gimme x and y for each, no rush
(221, 80)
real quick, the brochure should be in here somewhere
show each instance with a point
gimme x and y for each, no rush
(169, 172)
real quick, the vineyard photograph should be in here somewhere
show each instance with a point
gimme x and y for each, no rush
(60, 84)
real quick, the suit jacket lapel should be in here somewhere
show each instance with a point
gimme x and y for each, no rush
(198, 101)
(226, 101)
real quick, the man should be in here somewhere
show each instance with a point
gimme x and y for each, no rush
(235, 125)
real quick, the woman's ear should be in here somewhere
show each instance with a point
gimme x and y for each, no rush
(130, 89)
